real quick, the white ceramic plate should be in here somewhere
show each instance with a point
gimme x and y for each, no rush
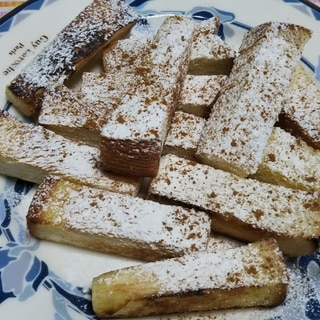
(42, 280)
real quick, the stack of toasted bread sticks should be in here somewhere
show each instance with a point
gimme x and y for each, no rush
(224, 144)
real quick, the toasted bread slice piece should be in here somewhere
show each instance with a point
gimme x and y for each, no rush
(133, 138)
(250, 101)
(199, 93)
(109, 222)
(245, 209)
(301, 111)
(81, 115)
(184, 135)
(247, 276)
(290, 162)
(31, 152)
(287, 161)
(127, 55)
(99, 23)
(69, 114)
(210, 55)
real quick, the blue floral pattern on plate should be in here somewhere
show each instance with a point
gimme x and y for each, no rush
(22, 273)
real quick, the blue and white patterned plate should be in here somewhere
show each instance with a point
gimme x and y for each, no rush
(42, 280)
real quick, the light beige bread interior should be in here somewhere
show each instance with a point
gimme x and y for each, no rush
(241, 208)
(99, 23)
(132, 139)
(246, 276)
(301, 110)
(210, 55)
(183, 135)
(109, 222)
(30, 152)
(250, 101)
(290, 162)
(199, 93)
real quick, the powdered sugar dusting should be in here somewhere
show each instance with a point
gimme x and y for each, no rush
(72, 47)
(248, 106)
(201, 90)
(182, 125)
(46, 151)
(92, 26)
(300, 290)
(290, 162)
(124, 218)
(304, 110)
(269, 207)
(146, 112)
(127, 54)
(232, 268)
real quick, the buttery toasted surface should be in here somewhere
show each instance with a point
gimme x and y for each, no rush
(245, 209)
(246, 276)
(109, 222)
(31, 152)
(132, 139)
(99, 23)
(301, 111)
(250, 101)
(290, 162)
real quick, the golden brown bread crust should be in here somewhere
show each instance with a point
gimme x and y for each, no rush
(69, 51)
(247, 276)
(96, 219)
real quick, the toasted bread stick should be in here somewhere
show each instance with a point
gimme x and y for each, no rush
(242, 208)
(99, 23)
(246, 276)
(110, 222)
(250, 101)
(31, 152)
